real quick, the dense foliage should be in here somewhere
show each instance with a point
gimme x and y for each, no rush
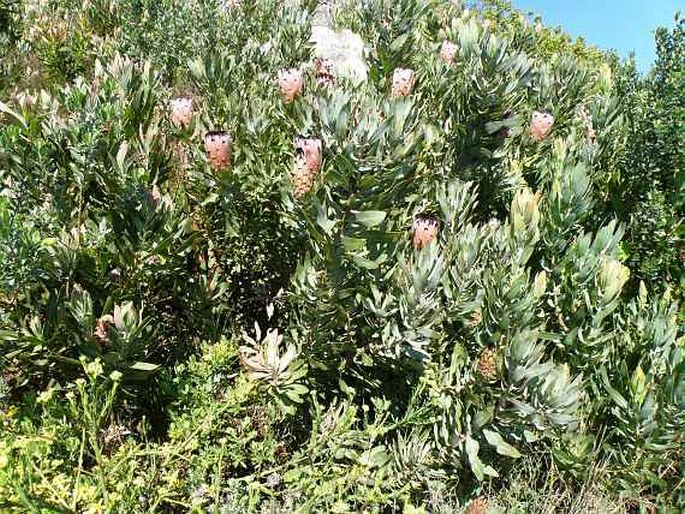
(446, 250)
(655, 113)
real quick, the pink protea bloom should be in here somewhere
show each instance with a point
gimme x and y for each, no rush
(219, 146)
(308, 160)
(425, 230)
(181, 111)
(541, 125)
(291, 84)
(310, 148)
(448, 51)
(402, 82)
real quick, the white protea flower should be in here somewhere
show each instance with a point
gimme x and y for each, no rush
(402, 82)
(343, 52)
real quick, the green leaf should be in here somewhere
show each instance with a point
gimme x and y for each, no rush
(375, 457)
(322, 219)
(5, 108)
(613, 393)
(144, 366)
(369, 219)
(471, 446)
(500, 445)
(364, 263)
(212, 198)
(484, 416)
(490, 471)
(353, 244)
(529, 436)
(295, 392)
(399, 42)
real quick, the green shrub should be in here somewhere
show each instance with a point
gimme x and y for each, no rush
(439, 301)
(653, 173)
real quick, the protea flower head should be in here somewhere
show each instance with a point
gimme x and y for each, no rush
(448, 51)
(290, 83)
(115, 275)
(541, 125)
(477, 506)
(219, 146)
(611, 277)
(181, 111)
(487, 364)
(102, 328)
(307, 164)
(402, 82)
(324, 71)
(425, 229)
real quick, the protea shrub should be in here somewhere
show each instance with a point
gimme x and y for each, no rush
(409, 338)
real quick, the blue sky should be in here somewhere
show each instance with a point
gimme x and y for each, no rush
(622, 25)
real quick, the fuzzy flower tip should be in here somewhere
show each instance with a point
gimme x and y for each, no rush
(541, 125)
(448, 51)
(425, 230)
(219, 146)
(181, 111)
(307, 164)
(290, 83)
(402, 82)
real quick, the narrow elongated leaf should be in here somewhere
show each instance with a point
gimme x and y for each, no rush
(375, 457)
(144, 366)
(353, 244)
(370, 219)
(500, 445)
(471, 446)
